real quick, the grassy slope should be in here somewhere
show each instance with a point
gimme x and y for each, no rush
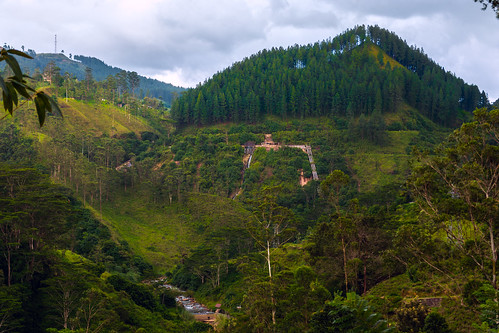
(375, 165)
(101, 119)
(164, 233)
(92, 119)
(371, 165)
(374, 49)
(161, 233)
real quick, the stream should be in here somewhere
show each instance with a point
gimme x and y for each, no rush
(249, 161)
(197, 309)
(191, 306)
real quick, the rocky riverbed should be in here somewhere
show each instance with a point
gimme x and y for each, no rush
(188, 303)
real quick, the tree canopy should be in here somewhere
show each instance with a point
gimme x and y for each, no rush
(363, 71)
(494, 5)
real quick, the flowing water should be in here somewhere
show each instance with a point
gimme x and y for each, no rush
(188, 303)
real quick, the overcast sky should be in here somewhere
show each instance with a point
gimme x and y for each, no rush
(184, 42)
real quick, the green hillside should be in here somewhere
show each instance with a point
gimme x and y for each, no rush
(166, 234)
(328, 187)
(78, 64)
(363, 70)
(55, 183)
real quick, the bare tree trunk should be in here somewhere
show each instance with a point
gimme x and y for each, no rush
(272, 299)
(343, 247)
(268, 260)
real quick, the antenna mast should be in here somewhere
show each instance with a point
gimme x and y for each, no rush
(55, 46)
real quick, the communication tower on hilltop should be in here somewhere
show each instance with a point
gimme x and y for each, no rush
(55, 46)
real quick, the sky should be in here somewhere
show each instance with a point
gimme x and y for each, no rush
(185, 42)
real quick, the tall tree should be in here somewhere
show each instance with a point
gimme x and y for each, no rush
(89, 79)
(458, 189)
(31, 209)
(133, 81)
(271, 226)
(53, 73)
(122, 82)
(330, 189)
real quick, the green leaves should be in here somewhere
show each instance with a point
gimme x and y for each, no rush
(350, 314)
(19, 53)
(12, 62)
(457, 191)
(16, 85)
(44, 103)
(331, 186)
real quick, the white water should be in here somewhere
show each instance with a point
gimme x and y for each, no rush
(188, 303)
(249, 161)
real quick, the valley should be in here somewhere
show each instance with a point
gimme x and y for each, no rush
(346, 185)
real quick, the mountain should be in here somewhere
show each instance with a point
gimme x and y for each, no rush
(100, 71)
(363, 70)
(147, 86)
(224, 201)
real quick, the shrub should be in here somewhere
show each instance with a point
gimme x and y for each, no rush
(435, 323)
(411, 316)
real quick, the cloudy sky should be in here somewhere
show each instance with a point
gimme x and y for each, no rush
(185, 42)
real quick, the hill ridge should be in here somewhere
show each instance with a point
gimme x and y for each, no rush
(100, 71)
(334, 77)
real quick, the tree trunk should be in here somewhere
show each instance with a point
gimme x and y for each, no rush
(272, 299)
(100, 196)
(218, 275)
(9, 272)
(268, 260)
(343, 247)
(365, 278)
(494, 253)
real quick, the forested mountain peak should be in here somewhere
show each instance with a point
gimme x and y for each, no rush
(357, 72)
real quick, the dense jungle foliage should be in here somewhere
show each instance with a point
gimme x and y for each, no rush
(398, 234)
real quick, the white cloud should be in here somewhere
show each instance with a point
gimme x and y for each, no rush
(175, 77)
(189, 40)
